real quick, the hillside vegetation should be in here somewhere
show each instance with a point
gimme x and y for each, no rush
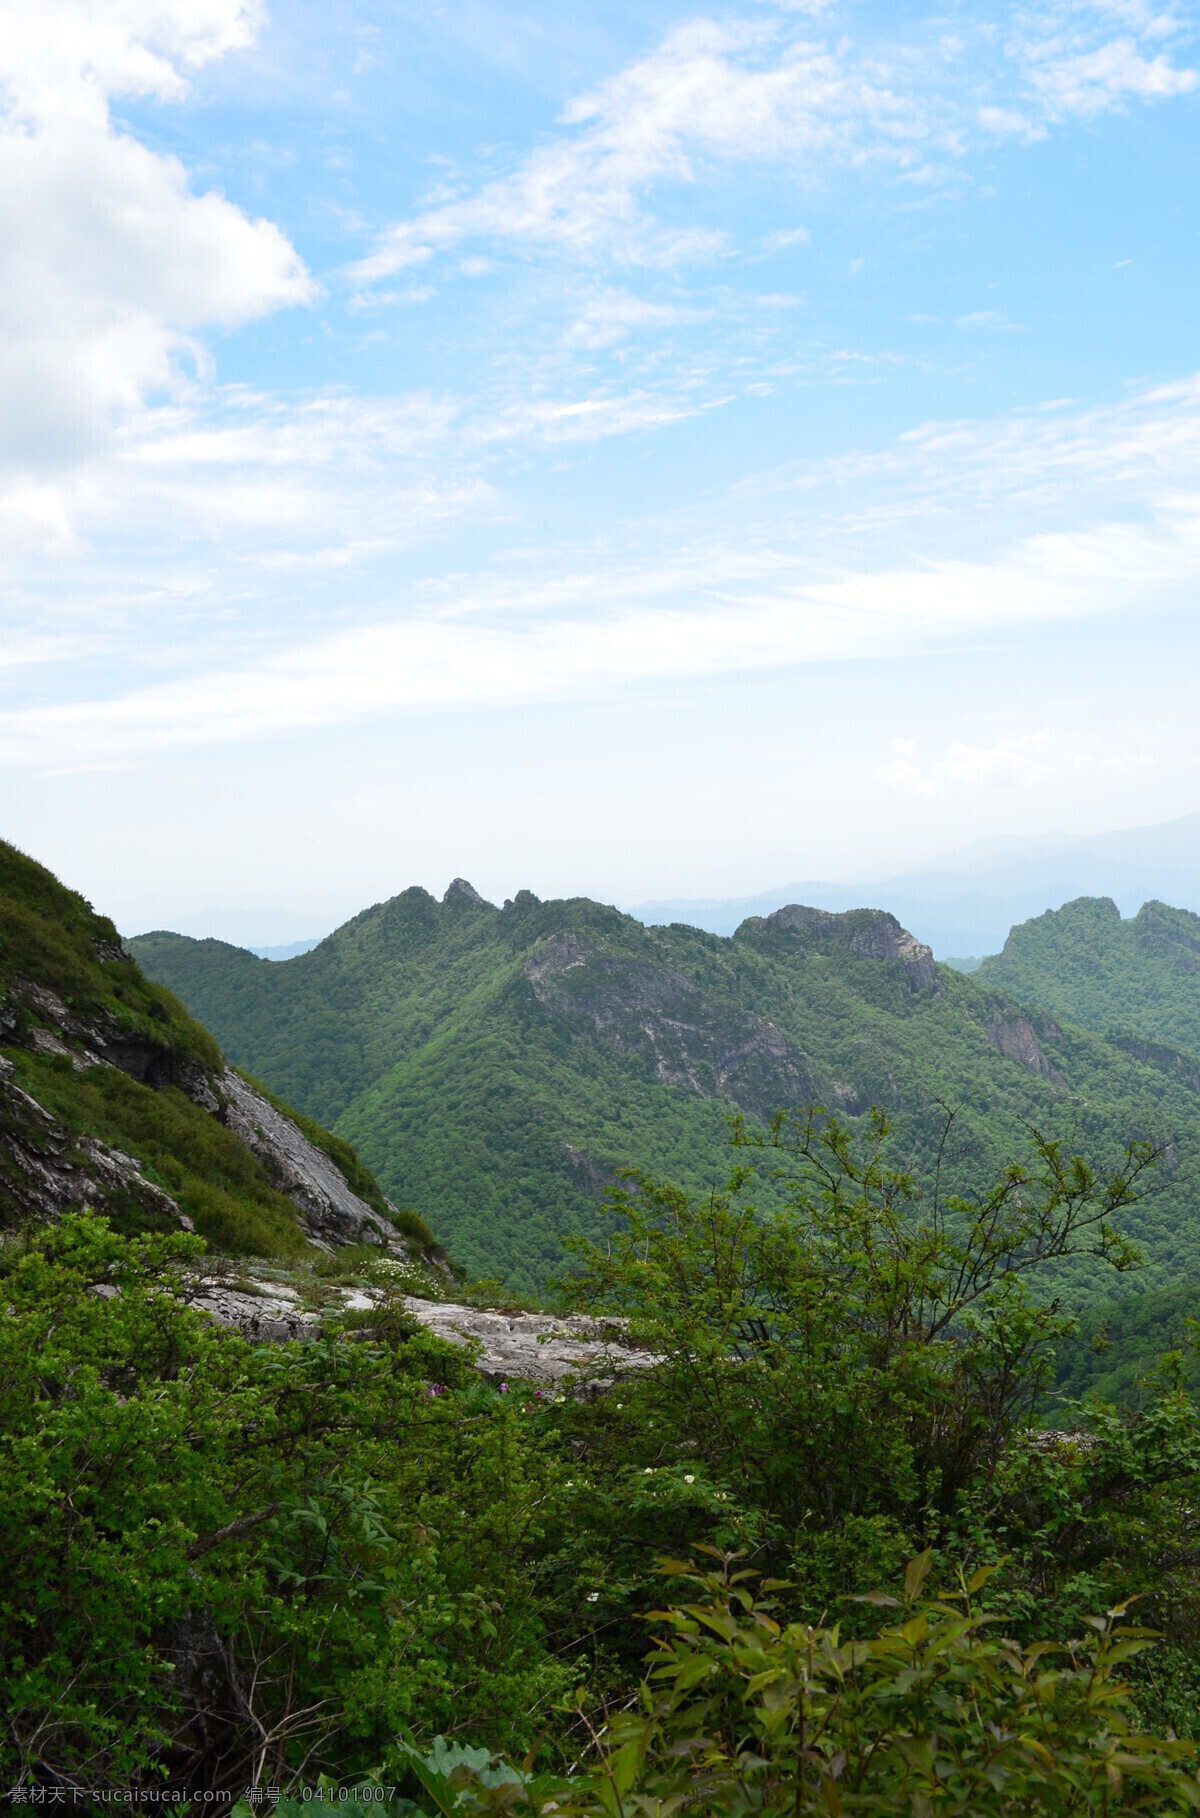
(1138, 982)
(1139, 977)
(497, 1067)
(341, 1557)
(112, 1096)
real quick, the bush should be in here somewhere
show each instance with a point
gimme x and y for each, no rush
(411, 1224)
(936, 1712)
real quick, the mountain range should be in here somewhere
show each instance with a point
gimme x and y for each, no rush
(498, 1067)
(964, 905)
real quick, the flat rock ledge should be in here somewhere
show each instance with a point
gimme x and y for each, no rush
(535, 1347)
(588, 1355)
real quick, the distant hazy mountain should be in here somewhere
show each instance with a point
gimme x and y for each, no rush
(271, 933)
(967, 904)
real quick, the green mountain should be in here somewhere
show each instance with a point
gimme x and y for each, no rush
(496, 1067)
(1137, 981)
(1139, 977)
(112, 1096)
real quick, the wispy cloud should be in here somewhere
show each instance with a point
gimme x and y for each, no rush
(713, 92)
(1026, 762)
(993, 320)
(768, 88)
(958, 532)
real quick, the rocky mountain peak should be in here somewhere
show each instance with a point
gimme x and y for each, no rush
(870, 934)
(459, 891)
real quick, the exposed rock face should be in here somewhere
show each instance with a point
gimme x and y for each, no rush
(272, 1317)
(461, 892)
(333, 1213)
(527, 1347)
(870, 934)
(1015, 1038)
(101, 1039)
(535, 1347)
(44, 1172)
(689, 1040)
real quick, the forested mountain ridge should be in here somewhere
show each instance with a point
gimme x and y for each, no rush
(497, 1067)
(1138, 977)
(112, 1096)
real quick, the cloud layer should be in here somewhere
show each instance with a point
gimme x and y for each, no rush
(956, 533)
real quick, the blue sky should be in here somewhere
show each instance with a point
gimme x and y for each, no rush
(642, 451)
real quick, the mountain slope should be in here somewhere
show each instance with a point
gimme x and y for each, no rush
(112, 1096)
(497, 1067)
(1140, 977)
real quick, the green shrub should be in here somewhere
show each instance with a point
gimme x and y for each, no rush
(937, 1711)
(411, 1224)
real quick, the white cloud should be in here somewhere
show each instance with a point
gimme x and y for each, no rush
(610, 315)
(68, 56)
(765, 89)
(1074, 65)
(109, 263)
(993, 319)
(766, 581)
(711, 92)
(1025, 763)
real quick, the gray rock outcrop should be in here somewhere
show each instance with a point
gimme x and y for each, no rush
(1015, 1037)
(334, 1214)
(534, 1347)
(43, 1170)
(870, 934)
(712, 1048)
(541, 1348)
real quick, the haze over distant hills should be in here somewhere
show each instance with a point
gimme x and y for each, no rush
(967, 904)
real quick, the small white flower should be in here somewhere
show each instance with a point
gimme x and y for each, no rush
(649, 1471)
(593, 1596)
(689, 1479)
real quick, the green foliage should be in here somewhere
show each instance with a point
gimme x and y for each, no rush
(745, 1712)
(411, 1224)
(356, 1547)
(364, 1547)
(842, 1349)
(498, 1068)
(207, 1170)
(1121, 1341)
(52, 942)
(1085, 963)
